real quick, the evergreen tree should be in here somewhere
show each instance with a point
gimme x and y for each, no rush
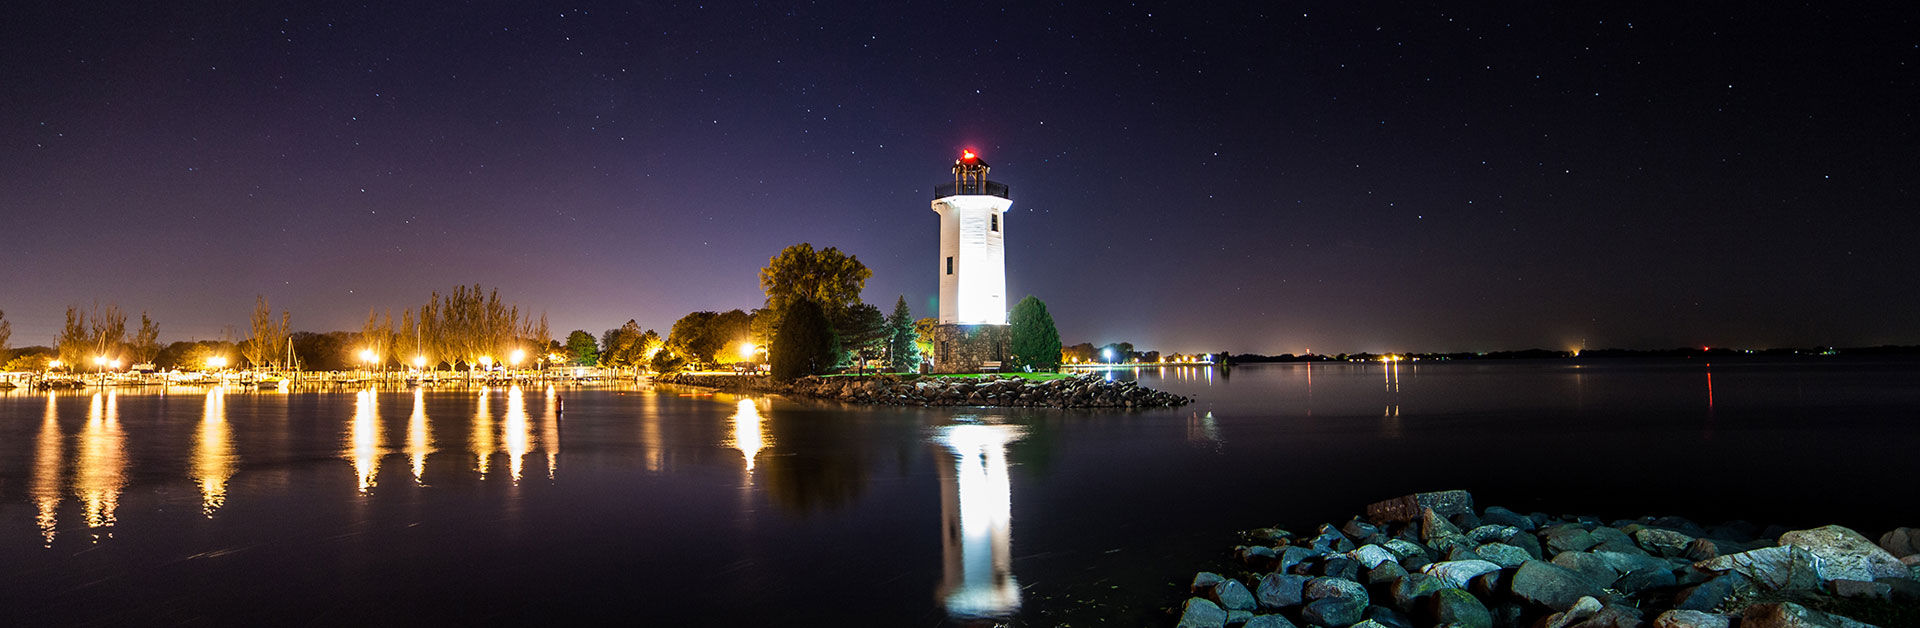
(1036, 343)
(804, 345)
(902, 354)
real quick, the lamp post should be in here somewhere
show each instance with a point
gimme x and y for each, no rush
(100, 366)
(486, 362)
(746, 354)
(219, 364)
(513, 363)
(367, 357)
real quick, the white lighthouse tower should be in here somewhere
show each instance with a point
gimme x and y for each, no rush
(973, 229)
(972, 335)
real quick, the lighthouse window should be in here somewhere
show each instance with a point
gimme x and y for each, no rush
(996, 222)
(949, 264)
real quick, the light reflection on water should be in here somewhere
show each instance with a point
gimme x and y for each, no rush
(976, 523)
(363, 439)
(213, 459)
(656, 476)
(102, 467)
(419, 436)
(47, 463)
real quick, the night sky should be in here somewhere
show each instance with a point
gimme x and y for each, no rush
(1189, 176)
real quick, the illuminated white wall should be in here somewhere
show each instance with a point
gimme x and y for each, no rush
(976, 291)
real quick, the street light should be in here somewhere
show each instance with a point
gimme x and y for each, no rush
(420, 361)
(100, 364)
(486, 362)
(513, 360)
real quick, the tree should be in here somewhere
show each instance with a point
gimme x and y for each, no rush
(863, 331)
(6, 333)
(146, 343)
(804, 344)
(1036, 343)
(268, 340)
(376, 336)
(581, 349)
(1083, 352)
(692, 337)
(406, 339)
(829, 278)
(923, 334)
(902, 353)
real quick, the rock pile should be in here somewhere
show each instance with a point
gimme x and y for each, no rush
(1432, 560)
(1085, 391)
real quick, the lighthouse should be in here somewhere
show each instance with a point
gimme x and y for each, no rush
(973, 230)
(973, 268)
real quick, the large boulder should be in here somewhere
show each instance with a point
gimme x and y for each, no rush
(1568, 537)
(1552, 586)
(1691, 619)
(1403, 548)
(1791, 615)
(1278, 590)
(1901, 542)
(1784, 567)
(1334, 612)
(1202, 613)
(1592, 566)
(1502, 554)
(1409, 507)
(1323, 588)
(1582, 609)
(1410, 589)
(1268, 621)
(1233, 596)
(1844, 554)
(1712, 594)
(1437, 532)
(1662, 542)
(1388, 617)
(1204, 581)
(1457, 573)
(1613, 616)
(1370, 556)
(1385, 574)
(1456, 607)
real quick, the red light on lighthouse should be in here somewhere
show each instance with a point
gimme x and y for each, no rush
(967, 155)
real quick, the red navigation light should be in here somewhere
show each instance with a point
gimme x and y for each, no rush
(967, 155)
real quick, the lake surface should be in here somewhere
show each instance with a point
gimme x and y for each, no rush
(673, 506)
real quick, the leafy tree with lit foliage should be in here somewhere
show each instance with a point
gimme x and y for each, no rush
(923, 334)
(581, 348)
(903, 354)
(804, 344)
(831, 279)
(1036, 343)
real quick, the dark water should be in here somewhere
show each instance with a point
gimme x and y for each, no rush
(666, 506)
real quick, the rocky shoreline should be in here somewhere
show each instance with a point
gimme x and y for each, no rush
(1085, 391)
(1431, 559)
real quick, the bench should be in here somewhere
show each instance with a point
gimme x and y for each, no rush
(990, 366)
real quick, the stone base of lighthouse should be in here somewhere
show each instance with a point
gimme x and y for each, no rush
(965, 348)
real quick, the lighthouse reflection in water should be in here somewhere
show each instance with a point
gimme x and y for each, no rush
(976, 508)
